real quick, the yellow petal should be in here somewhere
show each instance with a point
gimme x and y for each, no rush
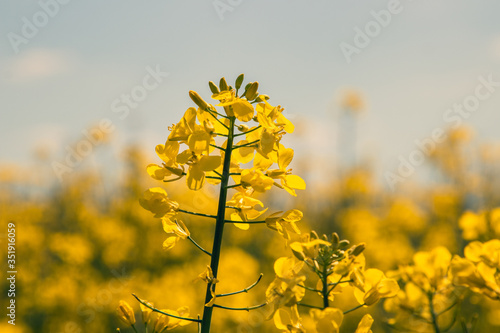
(365, 324)
(209, 163)
(157, 172)
(295, 182)
(195, 178)
(243, 110)
(285, 156)
(199, 141)
(170, 242)
(244, 154)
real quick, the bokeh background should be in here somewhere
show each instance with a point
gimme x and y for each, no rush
(363, 89)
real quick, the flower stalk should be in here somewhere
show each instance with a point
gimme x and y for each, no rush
(219, 227)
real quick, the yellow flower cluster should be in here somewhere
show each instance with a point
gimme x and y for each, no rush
(164, 321)
(335, 263)
(428, 295)
(480, 269)
(217, 147)
(202, 159)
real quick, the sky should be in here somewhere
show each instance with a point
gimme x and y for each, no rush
(65, 66)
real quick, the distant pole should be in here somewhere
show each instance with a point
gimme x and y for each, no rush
(347, 142)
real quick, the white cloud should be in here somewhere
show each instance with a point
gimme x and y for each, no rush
(35, 64)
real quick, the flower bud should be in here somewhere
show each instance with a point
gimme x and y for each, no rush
(146, 312)
(343, 244)
(357, 249)
(262, 98)
(126, 313)
(223, 84)
(335, 240)
(299, 255)
(243, 128)
(198, 100)
(213, 88)
(251, 93)
(239, 81)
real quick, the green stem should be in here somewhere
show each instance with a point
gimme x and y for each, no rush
(240, 309)
(215, 146)
(250, 131)
(246, 144)
(215, 117)
(324, 291)
(433, 314)
(243, 290)
(198, 246)
(219, 227)
(162, 312)
(309, 288)
(135, 330)
(354, 308)
(197, 214)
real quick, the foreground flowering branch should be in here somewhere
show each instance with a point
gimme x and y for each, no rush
(195, 152)
(335, 263)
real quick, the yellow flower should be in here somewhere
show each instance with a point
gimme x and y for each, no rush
(473, 225)
(156, 201)
(284, 290)
(182, 130)
(146, 312)
(307, 249)
(284, 223)
(374, 286)
(365, 324)
(489, 252)
(236, 106)
(256, 179)
(198, 165)
(168, 153)
(327, 320)
(431, 268)
(273, 126)
(244, 209)
(177, 228)
(288, 181)
(272, 117)
(197, 137)
(288, 269)
(288, 320)
(480, 278)
(208, 276)
(281, 293)
(165, 323)
(126, 313)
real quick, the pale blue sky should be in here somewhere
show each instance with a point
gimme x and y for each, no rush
(66, 77)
